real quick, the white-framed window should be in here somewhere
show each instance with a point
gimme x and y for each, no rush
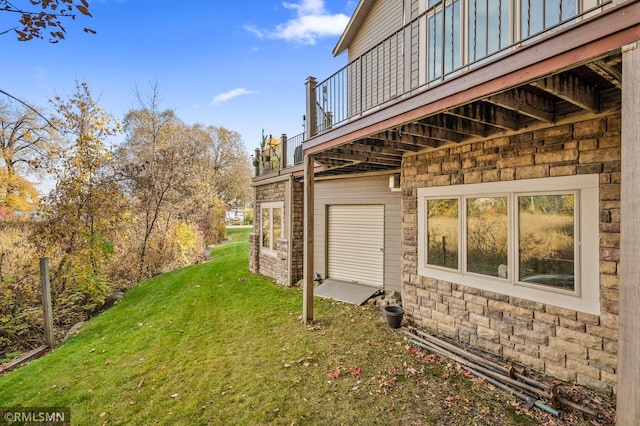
(271, 226)
(537, 239)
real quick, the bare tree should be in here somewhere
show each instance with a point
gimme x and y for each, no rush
(158, 154)
(228, 163)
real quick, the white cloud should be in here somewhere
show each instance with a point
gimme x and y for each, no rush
(312, 21)
(223, 97)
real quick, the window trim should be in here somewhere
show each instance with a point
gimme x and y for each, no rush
(271, 251)
(586, 295)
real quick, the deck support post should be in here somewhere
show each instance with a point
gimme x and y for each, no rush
(283, 151)
(307, 272)
(628, 389)
(311, 124)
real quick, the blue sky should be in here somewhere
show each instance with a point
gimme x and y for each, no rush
(241, 65)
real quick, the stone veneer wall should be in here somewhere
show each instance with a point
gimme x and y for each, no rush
(260, 263)
(562, 343)
(254, 251)
(277, 267)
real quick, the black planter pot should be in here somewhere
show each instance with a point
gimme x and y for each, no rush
(394, 316)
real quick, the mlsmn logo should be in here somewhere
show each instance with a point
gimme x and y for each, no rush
(53, 416)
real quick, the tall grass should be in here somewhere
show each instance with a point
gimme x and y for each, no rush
(546, 243)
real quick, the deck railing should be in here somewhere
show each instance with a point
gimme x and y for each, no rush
(448, 38)
(294, 150)
(290, 154)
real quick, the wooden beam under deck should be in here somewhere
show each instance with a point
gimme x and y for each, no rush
(609, 71)
(406, 143)
(461, 125)
(571, 89)
(350, 155)
(487, 114)
(380, 150)
(433, 133)
(525, 102)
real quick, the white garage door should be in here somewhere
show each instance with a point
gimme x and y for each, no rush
(356, 243)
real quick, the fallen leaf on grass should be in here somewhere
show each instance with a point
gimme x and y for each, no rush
(175, 395)
(140, 383)
(356, 371)
(466, 373)
(335, 374)
(102, 414)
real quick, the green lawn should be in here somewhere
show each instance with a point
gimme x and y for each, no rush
(213, 344)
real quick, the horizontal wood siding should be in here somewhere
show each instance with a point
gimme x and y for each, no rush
(383, 20)
(376, 81)
(364, 190)
(418, 37)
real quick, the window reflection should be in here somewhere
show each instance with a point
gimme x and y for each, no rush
(277, 223)
(546, 240)
(452, 42)
(442, 233)
(539, 15)
(435, 46)
(487, 236)
(488, 27)
(266, 235)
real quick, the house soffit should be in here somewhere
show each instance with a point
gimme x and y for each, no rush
(358, 17)
(589, 89)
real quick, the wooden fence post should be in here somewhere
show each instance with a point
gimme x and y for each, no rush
(49, 336)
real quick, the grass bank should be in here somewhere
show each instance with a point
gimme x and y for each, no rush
(212, 344)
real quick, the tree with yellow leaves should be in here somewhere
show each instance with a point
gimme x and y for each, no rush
(17, 195)
(27, 146)
(87, 207)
